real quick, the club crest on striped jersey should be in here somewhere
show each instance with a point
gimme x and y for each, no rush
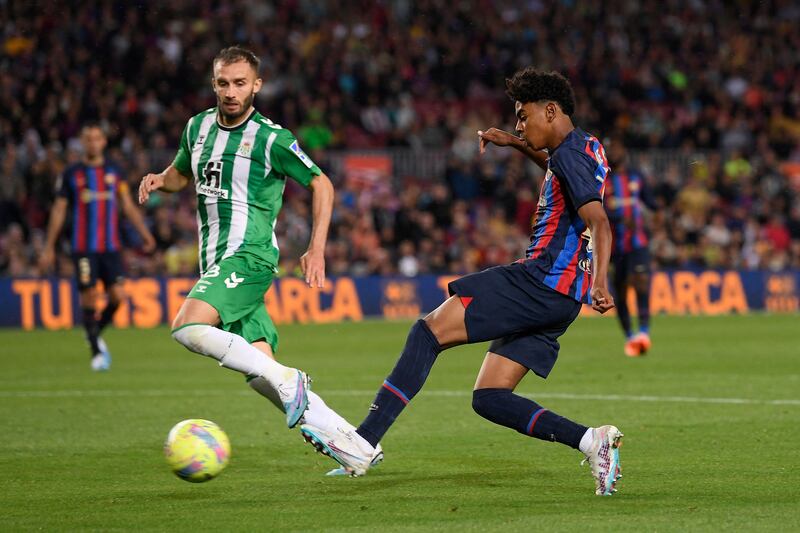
(587, 236)
(301, 155)
(110, 178)
(245, 149)
(585, 264)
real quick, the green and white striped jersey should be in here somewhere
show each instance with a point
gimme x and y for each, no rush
(239, 175)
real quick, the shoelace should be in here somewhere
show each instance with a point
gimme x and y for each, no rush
(586, 460)
(595, 475)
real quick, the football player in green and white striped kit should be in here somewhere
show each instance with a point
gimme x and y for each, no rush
(238, 161)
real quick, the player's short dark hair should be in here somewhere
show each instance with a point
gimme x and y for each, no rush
(92, 124)
(531, 85)
(234, 54)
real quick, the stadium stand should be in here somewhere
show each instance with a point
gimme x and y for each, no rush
(717, 134)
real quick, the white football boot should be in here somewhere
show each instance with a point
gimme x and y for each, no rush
(106, 353)
(98, 363)
(603, 458)
(376, 460)
(101, 362)
(342, 444)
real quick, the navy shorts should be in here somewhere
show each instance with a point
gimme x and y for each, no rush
(90, 267)
(634, 262)
(522, 317)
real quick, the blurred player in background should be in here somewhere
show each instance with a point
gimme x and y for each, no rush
(524, 307)
(626, 197)
(93, 190)
(238, 162)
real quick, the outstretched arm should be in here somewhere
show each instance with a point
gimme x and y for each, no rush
(594, 215)
(168, 181)
(504, 138)
(313, 261)
(135, 216)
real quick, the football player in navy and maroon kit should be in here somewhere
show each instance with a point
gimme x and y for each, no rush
(626, 197)
(92, 192)
(523, 307)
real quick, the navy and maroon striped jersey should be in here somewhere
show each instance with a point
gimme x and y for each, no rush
(92, 193)
(560, 253)
(623, 200)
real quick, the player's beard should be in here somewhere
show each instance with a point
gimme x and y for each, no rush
(233, 117)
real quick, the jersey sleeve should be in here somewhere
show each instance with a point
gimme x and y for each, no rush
(611, 201)
(183, 159)
(289, 159)
(578, 173)
(123, 189)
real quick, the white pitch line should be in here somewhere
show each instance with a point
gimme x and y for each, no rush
(368, 393)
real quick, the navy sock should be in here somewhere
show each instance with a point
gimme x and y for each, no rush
(92, 332)
(643, 308)
(405, 381)
(624, 314)
(505, 408)
(107, 315)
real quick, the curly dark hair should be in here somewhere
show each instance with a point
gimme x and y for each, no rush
(234, 54)
(531, 85)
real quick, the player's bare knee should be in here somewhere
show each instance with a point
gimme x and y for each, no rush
(435, 326)
(178, 321)
(195, 311)
(183, 317)
(446, 322)
(115, 295)
(641, 283)
(87, 297)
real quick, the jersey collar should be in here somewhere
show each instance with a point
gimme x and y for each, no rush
(564, 140)
(237, 126)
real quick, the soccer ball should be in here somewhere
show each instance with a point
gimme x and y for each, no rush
(197, 450)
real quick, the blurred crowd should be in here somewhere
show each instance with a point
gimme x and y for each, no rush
(715, 84)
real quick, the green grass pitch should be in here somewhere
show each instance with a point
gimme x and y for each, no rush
(711, 420)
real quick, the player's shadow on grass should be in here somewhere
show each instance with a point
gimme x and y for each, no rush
(499, 478)
(189, 496)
